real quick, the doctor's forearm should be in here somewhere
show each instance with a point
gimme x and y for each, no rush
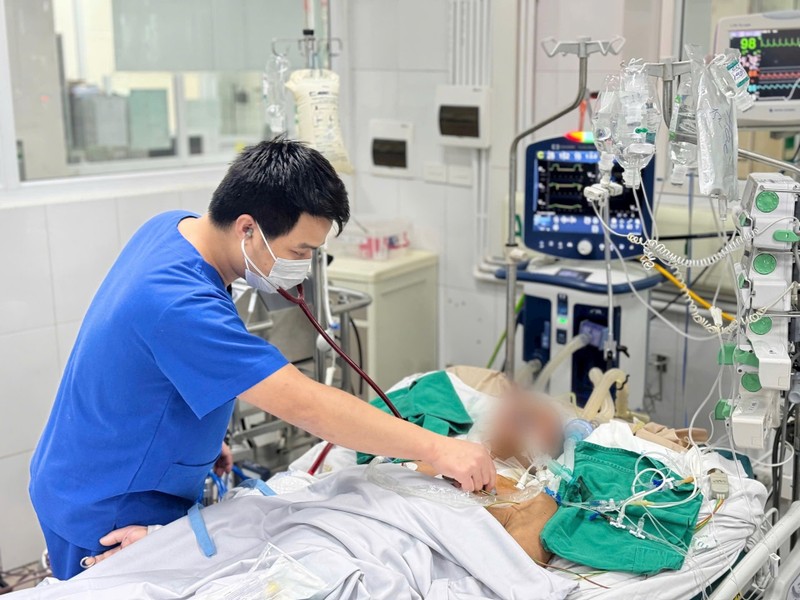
(339, 417)
(352, 423)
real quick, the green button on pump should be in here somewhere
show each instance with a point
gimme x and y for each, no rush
(767, 201)
(786, 235)
(723, 409)
(751, 382)
(765, 263)
(745, 357)
(762, 326)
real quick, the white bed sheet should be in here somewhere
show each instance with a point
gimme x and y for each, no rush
(363, 541)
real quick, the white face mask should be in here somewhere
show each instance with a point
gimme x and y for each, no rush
(284, 274)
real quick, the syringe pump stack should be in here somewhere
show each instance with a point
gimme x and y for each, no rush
(764, 280)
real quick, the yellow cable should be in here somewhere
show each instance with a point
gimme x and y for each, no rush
(694, 296)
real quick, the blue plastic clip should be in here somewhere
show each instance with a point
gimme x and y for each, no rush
(554, 495)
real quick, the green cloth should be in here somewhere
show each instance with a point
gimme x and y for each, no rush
(430, 402)
(607, 473)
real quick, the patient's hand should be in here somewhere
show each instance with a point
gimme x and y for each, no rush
(224, 463)
(120, 538)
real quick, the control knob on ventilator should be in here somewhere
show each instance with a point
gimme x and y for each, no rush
(584, 247)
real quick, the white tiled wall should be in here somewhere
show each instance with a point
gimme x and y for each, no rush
(54, 257)
(396, 54)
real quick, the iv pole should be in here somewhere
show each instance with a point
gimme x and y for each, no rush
(583, 47)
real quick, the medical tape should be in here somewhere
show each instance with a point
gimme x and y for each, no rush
(204, 540)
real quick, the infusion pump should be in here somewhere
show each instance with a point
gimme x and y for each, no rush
(768, 332)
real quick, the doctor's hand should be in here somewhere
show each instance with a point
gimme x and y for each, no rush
(224, 463)
(120, 538)
(468, 463)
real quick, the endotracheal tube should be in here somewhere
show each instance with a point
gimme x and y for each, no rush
(575, 431)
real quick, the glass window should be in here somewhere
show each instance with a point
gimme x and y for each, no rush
(103, 86)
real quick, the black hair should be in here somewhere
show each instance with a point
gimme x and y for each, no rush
(276, 181)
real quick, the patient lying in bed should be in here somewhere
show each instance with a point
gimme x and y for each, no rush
(517, 426)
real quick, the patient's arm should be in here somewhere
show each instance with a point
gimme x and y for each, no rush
(524, 521)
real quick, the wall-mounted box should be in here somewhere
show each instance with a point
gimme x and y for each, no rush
(462, 115)
(390, 146)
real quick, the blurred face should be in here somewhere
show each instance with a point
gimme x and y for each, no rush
(525, 424)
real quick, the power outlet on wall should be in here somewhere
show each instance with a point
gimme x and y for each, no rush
(458, 175)
(434, 172)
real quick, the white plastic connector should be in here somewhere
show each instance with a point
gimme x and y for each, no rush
(597, 193)
(716, 315)
(719, 484)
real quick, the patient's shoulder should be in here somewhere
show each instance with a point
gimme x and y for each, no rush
(524, 521)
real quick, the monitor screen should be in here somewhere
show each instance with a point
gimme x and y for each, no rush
(772, 59)
(561, 206)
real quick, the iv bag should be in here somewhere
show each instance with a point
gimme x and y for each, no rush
(717, 139)
(316, 93)
(636, 126)
(274, 93)
(683, 132)
(605, 111)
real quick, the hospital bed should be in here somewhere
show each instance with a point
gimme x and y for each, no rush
(353, 539)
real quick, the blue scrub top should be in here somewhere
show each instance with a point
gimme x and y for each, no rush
(147, 393)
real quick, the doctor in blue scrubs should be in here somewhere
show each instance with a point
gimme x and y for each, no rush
(161, 356)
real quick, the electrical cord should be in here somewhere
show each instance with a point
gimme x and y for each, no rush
(653, 249)
(502, 339)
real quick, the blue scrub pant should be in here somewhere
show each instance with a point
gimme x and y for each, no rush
(65, 557)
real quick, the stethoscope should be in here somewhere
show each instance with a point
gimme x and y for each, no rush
(300, 300)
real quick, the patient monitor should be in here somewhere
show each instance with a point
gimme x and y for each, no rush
(770, 52)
